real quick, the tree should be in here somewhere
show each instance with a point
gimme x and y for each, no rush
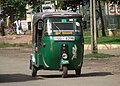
(14, 8)
(101, 17)
(36, 5)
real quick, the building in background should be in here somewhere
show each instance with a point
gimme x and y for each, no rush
(112, 12)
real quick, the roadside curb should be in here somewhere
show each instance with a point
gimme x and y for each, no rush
(86, 47)
(103, 46)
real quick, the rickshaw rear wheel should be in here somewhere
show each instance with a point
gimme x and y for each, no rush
(78, 71)
(65, 71)
(34, 71)
(30, 66)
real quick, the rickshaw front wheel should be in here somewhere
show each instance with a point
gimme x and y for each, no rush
(65, 71)
(34, 71)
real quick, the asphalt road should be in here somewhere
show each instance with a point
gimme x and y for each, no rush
(14, 71)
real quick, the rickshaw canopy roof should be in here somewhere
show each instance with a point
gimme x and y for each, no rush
(43, 15)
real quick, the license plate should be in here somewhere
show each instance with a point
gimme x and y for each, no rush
(64, 38)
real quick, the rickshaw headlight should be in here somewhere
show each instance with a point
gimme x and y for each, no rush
(64, 56)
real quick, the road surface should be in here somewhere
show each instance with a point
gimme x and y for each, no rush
(14, 71)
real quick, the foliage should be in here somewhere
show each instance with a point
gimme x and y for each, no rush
(18, 7)
(36, 4)
(14, 8)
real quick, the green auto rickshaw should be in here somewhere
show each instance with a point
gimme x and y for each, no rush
(57, 42)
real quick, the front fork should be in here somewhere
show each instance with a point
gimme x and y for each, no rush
(64, 67)
(63, 62)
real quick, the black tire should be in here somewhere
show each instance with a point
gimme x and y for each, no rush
(30, 66)
(34, 71)
(65, 71)
(78, 71)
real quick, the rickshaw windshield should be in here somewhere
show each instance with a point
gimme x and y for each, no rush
(62, 26)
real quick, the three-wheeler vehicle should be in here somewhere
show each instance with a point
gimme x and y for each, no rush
(57, 42)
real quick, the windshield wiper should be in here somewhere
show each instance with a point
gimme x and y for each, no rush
(57, 27)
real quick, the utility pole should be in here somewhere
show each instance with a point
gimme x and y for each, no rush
(93, 26)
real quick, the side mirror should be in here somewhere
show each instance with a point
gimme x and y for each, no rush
(84, 24)
(40, 25)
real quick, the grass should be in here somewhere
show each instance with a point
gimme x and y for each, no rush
(98, 55)
(109, 40)
(102, 40)
(5, 45)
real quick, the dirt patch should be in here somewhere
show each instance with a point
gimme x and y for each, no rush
(12, 39)
(103, 64)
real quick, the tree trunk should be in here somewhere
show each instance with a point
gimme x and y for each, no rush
(102, 21)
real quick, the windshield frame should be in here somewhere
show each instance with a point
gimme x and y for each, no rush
(48, 30)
